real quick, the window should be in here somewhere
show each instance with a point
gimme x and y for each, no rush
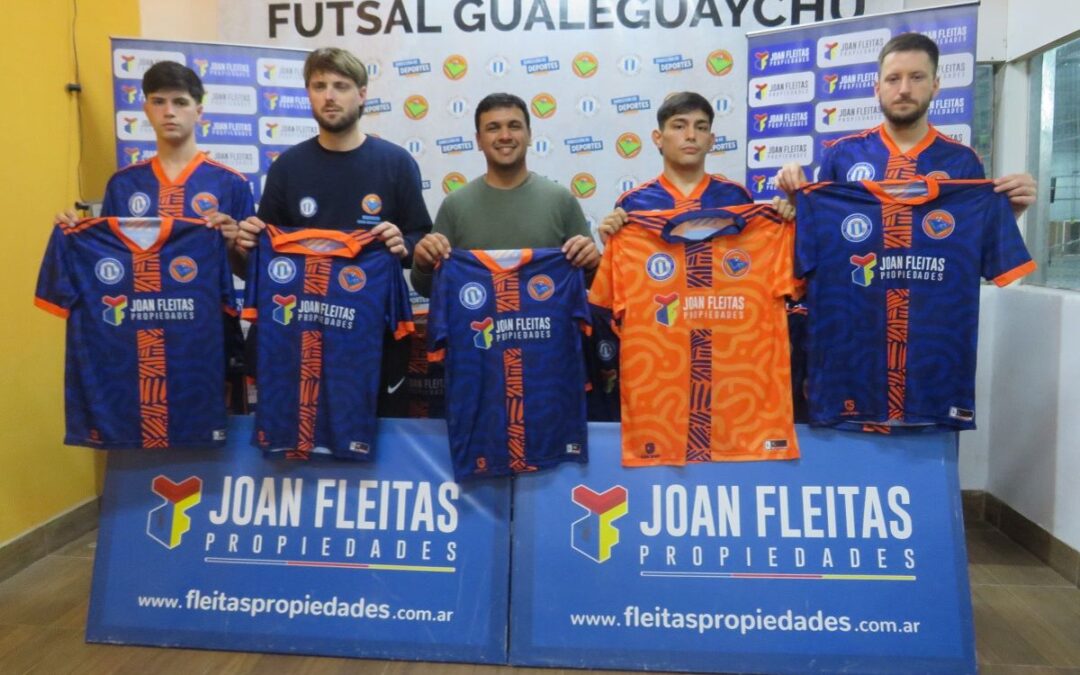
(1054, 220)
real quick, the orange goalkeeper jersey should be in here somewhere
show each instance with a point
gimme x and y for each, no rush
(698, 295)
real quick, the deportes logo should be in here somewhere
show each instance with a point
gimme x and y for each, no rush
(281, 270)
(352, 278)
(628, 145)
(583, 185)
(109, 271)
(114, 309)
(861, 171)
(453, 181)
(285, 309)
(168, 523)
(371, 204)
(483, 339)
(544, 106)
(593, 535)
(139, 204)
(472, 295)
(660, 266)
(183, 269)
(204, 203)
(416, 107)
(721, 62)
(856, 228)
(541, 287)
(308, 207)
(736, 263)
(585, 64)
(455, 67)
(863, 273)
(938, 224)
(668, 311)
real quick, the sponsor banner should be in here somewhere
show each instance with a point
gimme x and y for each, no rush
(776, 152)
(837, 82)
(850, 559)
(360, 560)
(957, 132)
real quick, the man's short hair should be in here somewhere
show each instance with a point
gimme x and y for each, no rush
(910, 42)
(680, 103)
(170, 75)
(338, 61)
(500, 100)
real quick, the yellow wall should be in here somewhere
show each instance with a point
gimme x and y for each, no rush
(39, 477)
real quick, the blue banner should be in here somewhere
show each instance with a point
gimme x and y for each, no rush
(230, 550)
(851, 559)
(812, 84)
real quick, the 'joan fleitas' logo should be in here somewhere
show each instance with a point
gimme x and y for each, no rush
(168, 523)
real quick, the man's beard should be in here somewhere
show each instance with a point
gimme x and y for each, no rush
(347, 120)
(906, 119)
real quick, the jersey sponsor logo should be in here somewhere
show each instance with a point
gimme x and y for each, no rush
(583, 185)
(668, 311)
(352, 278)
(359, 447)
(606, 350)
(736, 263)
(861, 171)
(856, 228)
(610, 378)
(308, 206)
(416, 107)
(573, 448)
(483, 338)
(371, 204)
(453, 182)
(114, 309)
(594, 535)
(628, 145)
(281, 270)
(775, 444)
(673, 63)
(455, 67)
(720, 62)
(538, 65)
(183, 269)
(660, 266)
(139, 204)
(168, 522)
(585, 64)
(938, 175)
(109, 271)
(472, 295)
(204, 203)
(938, 224)
(863, 274)
(544, 105)
(541, 287)
(285, 309)
(961, 414)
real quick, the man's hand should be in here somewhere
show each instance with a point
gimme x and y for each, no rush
(429, 251)
(581, 251)
(784, 207)
(611, 224)
(228, 227)
(391, 236)
(1020, 188)
(248, 236)
(790, 177)
(67, 218)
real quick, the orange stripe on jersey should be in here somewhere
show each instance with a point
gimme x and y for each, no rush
(317, 275)
(171, 200)
(311, 358)
(49, 307)
(181, 178)
(146, 270)
(515, 409)
(897, 312)
(507, 291)
(1015, 273)
(896, 225)
(153, 393)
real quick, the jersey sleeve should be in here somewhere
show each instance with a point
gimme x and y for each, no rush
(110, 203)
(605, 291)
(579, 308)
(242, 199)
(56, 292)
(399, 317)
(1005, 258)
(827, 169)
(437, 330)
(783, 281)
(228, 291)
(805, 247)
(251, 283)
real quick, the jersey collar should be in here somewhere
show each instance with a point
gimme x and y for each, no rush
(490, 260)
(349, 243)
(159, 171)
(677, 194)
(913, 153)
(728, 223)
(164, 230)
(899, 192)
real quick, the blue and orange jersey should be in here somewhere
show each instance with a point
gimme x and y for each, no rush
(202, 188)
(893, 273)
(145, 361)
(323, 300)
(659, 194)
(508, 325)
(602, 365)
(699, 297)
(873, 155)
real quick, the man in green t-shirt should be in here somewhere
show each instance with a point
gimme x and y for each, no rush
(509, 207)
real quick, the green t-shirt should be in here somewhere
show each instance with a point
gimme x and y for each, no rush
(539, 213)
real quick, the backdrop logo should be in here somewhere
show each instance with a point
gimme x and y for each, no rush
(626, 183)
(415, 146)
(863, 273)
(204, 127)
(453, 182)
(630, 104)
(272, 155)
(724, 104)
(498, 66)
(457, 107)
(759, 182)
(131, 91)
(132, 155)
(585, 64)
(673, 63)
(127, 63)
(538, 65)
(544, 106)
(828, 116)
(114, 309)
(183, 269)
(202, 65)
(759, 152)
(286, 307)
(455, 67)
(271, 99)
(938, 224)
(168, 523)
(583, 185)
(454, 146)
(130, 124)
(412, 67)
(628, 145)
(761, 59)
(594, 535)
(272, 129)
(416, 107)
(482, 339)
(374, 69)
(849, 48)
(830, 82)
(541, 146)
(588, 105)
(720, 62)
(584, 145)
(374, 106)
(630, 64)
(828, 51)
(760, 119)
(762, 91)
